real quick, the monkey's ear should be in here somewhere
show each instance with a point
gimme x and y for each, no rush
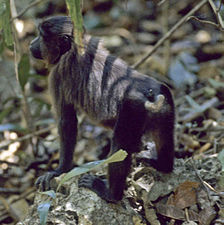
(64, 44)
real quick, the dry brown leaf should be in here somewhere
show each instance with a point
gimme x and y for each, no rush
(184, 195)
(175, 212)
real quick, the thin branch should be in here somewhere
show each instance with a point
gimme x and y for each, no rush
(168, 34)
(198, 175)
(161, 2)
(26, 9)
(195, 113)
(165, 24)
(206, 22)
(220, 6)
(217, 14)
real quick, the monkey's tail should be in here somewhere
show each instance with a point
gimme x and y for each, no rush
(156, 106)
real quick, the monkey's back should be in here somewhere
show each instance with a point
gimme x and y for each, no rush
(97, 82)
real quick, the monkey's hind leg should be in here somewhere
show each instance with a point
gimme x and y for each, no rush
(127, 136)
(163, 136)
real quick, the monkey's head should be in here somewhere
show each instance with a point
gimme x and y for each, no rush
(55, 39)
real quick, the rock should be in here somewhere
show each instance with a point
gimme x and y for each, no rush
(82, 206)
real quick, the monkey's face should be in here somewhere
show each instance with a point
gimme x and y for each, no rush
(55, 39)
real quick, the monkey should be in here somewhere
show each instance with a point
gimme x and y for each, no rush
(112, 95)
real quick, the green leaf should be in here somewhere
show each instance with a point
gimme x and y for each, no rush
(23, 70)
(74, 7)
(43, 210)
(5, 21)
(50, 193)
(74, 172)
(116, 157)
(90, 165)
(221, 159)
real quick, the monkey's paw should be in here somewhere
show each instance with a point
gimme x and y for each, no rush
(93, 183)
(97, 185)
(43, 182)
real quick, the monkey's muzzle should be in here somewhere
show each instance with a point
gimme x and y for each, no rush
(35, 48)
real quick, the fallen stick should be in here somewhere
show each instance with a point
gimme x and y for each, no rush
(195, 113)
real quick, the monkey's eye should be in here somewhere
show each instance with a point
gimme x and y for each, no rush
(64, 43)
(64, 38)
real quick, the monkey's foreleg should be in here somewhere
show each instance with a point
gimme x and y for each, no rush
(67, 129)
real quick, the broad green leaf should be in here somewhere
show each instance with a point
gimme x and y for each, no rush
(5, 21)
(90, 165)
(74, 172)
(23, 70)
(74, 7)
(116, 157)
(50, 193)
(221, 159)
(43, 210)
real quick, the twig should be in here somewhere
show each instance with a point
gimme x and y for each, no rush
(26, 9)
(206, 22)
(217, 14)
(210, 187)
(198, 175)
(161, 2)
(165, 23)
(220, 6)
(168, 34)
(28, 136)
(195, 113)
